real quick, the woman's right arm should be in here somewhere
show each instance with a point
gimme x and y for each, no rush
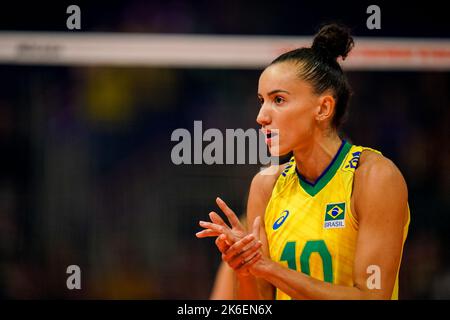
(248, 286)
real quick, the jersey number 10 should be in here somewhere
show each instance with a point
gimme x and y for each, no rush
(310, 247)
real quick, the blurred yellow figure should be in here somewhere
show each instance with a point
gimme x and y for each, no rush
(223, 288)
(225, 281)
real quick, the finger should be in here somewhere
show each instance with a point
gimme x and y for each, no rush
(256, 227)
(234, 221)
(238, 247)
(250, 245)
(245, 256)
(247, 265)
(221, 243)
(216, 227)
(251, 259)
(229, 238)
(240, 262)
(207, 233)
(219, 229)
(217, 219)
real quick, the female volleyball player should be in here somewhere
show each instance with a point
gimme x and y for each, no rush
(331, 224)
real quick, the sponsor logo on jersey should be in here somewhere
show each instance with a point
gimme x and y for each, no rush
(280, 220)
(334, 216)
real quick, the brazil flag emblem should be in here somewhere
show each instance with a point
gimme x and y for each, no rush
(335, 215)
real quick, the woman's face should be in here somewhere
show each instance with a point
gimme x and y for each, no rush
(288, 108)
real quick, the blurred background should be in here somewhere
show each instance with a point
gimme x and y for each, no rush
(86, 176)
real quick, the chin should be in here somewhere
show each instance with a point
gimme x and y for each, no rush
(278, 151)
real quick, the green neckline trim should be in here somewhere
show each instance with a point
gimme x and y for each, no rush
(328, 174)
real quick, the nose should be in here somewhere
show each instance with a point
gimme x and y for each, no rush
(263, 117)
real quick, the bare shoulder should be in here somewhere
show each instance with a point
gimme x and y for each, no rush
(376, 168)
(378, 183)
(264, 181)
(261, 190)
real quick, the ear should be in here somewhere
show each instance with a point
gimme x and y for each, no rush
(326, 107)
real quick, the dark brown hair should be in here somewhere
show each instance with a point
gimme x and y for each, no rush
(318, 65)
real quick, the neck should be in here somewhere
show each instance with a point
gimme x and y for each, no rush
(313, 158)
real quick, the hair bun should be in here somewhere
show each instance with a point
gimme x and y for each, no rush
(333, 40)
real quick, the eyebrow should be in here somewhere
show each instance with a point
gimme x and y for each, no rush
(276, 91)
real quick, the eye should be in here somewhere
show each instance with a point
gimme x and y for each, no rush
(278, 100)
(261, 100)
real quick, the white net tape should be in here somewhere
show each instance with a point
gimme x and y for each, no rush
(209, 51)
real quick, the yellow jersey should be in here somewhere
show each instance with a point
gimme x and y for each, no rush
(311, 227)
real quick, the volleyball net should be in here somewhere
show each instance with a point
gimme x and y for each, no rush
(209, 51)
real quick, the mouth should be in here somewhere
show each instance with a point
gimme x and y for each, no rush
(270, 134)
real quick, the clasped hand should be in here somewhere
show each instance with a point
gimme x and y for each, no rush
(240, 249)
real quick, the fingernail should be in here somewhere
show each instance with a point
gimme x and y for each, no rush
(202, 222)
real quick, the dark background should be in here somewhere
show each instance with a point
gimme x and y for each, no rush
(86, 176)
